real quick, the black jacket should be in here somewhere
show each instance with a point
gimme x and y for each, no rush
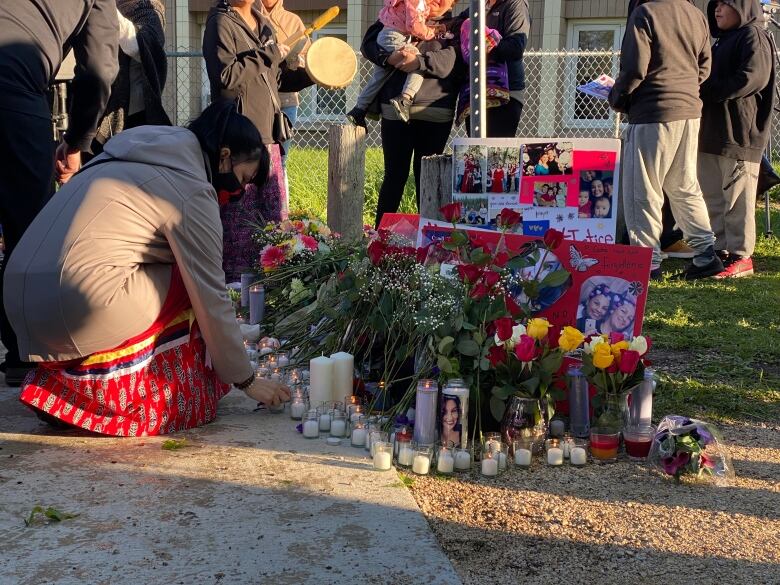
(664, 59)
(440, 64)
(34, 37)
(739, 95)
(510, 18)
(237, 59)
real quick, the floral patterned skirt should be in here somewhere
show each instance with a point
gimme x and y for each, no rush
(155, 383)
(241, 253)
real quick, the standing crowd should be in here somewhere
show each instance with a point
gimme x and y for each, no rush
(115, 316)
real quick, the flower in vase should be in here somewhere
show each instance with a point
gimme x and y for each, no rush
(272, 257)
(526, 350)
(602, 356)
(639, 344)
(537, 328)
(629, 359)
(571, 338)
(517, 332)
(496, 355)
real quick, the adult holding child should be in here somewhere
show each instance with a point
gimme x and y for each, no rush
(246, 65)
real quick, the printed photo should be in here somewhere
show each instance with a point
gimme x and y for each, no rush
(607, 304)
(549, 194)
(470, 162)
(499, 202)
(551, 158)
(503, 174)
(544, 264)
(474, 209)
(595, 196)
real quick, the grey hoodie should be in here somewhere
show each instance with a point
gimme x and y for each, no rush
(664, 58)
(94, 268)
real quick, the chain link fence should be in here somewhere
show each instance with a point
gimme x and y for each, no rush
(552, 107)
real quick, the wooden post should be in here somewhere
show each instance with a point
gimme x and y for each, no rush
(346, 179)
(435, 184)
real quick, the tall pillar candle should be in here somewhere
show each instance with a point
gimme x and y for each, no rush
(247, 278)
(579, 403)
(453, 426)
(343, 375)
(256, 304)
(320, 380)
(425, 412)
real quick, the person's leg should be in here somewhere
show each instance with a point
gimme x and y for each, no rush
(502, 122)
(740, 206)
(671, 236)
(397, 147)
(292, 115)
(27, 152)
(429, 138)
(711, 182)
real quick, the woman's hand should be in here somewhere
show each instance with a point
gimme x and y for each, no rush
(408, 61)
(284, 50)
(268, 392)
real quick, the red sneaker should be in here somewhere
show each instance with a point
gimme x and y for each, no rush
(737, 269)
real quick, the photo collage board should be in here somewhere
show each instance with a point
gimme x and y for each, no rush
(570, 184)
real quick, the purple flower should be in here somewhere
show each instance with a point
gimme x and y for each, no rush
(402, 419)
(705, 437)
(299, 427)
(672, 465)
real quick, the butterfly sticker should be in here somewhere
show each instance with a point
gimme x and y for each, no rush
(578, 261)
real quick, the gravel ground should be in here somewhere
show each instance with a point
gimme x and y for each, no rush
(619, 523)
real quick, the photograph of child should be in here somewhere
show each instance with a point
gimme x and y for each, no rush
(548, 159)
(549, 194)
(546, 262)
(595, 198)
(606, 306)
(470, 168)
(474, 209)
(503, 170)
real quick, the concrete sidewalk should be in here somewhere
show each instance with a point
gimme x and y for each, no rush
(249, 500)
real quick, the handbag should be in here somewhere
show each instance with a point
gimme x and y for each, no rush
(282, 129)
(767, 177)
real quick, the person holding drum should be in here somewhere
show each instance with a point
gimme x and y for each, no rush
(246, 64)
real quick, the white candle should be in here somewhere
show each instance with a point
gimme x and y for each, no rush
(338, 427)
(283, 361)
(523, 457)
(405, 455)
(555, 456)
(489, 467)
(321, 382)
(324, 422)
(247, 278)
(311, 429)
(557, 428)
(462, 460)
(276, 376)
(446, 463)
(383, 460)
(343, 374)
(578, 456)
(265, 350)
(297, 410)
(353, 418)
(359, 437)
(421, 465)
(501, 461)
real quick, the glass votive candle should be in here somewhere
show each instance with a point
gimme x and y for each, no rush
(524, 451)
(554, 452)
(405, 457)
(251, 351)
(373, 426)
(604, 444)
(293, 377)
(463, 459)
(490, 441)
(638, 439)
(488, 466)
(311, 425)
(283, 359)
(377, 436)
(567, 444)
(355, 411)
(338, 424)
(271, 361)
(325, 416)
(445, 459)
(264, 347)
(276, 409)
(383, 455)
(262, 372)
(276, 375)
(579, 453)
(358, 434)
(423, 455)
(298, 407)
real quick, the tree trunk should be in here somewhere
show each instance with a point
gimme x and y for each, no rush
(346, 179)
(435, 185)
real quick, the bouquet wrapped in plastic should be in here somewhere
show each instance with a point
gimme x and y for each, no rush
(685, 447)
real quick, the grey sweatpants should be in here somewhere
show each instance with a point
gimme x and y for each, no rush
(389, 39)
(729, 188)
(658, 158)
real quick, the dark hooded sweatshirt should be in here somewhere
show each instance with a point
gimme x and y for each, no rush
(664, 58)
(738, 97)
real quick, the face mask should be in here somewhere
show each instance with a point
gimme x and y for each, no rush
(229, 189)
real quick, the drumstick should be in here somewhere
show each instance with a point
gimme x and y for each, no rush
(318, 23)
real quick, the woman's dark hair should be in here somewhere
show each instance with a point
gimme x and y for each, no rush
(220, 125)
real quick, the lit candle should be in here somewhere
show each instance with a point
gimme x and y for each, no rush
(276, 375)
(405, 455)
(523, 457)
(297, 409)
(489, 467)
(359, 437)
(311, 429)
(383, 460)
(462, 460)
(283, 360)
(421, 464)
(555, 456)
(578, 456)
(557, 428)
(343, 374)
(321, 380)
(446, 462)
(256, 303)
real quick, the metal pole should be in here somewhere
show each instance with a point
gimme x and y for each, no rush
(477, 69)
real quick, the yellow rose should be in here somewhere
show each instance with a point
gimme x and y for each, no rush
(602, 356)
(619, 347)
(570, 338)
(537, 328)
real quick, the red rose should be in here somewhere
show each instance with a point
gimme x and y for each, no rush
(422, 254)
(376, 251)
(629, 359)
(553, 238)
(496, 355)
(525, 350)
(508, 218)
(452, 212)
(514, 309)
(501, 259)
(469, 272)
(491, 278)
(478, 292)
(616, 337)
(504, 327)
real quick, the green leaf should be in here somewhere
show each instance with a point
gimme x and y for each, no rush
(531, 385)
(51, 513)
(555, 278)
(479, 338)
(497, 408)
(444, 364)
(468, 347)
(484, 364)
(174, 444)
(445, 345)
(468, 326)
(459, 238)
(502, 392)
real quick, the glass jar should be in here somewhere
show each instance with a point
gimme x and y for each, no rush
(579, 452)
(325, 416)
(423, 456)
(604, 444)
(377, 436)
(358, 433)
(338, 424)
(445, 459)
(298, 406)
(464, 459)
(498, 452)
(311, 425)
(553, 452)
(283, 359)
(405, 456)
(524, 452)
(383, 455)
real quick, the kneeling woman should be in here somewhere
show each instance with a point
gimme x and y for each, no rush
(117, 287)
